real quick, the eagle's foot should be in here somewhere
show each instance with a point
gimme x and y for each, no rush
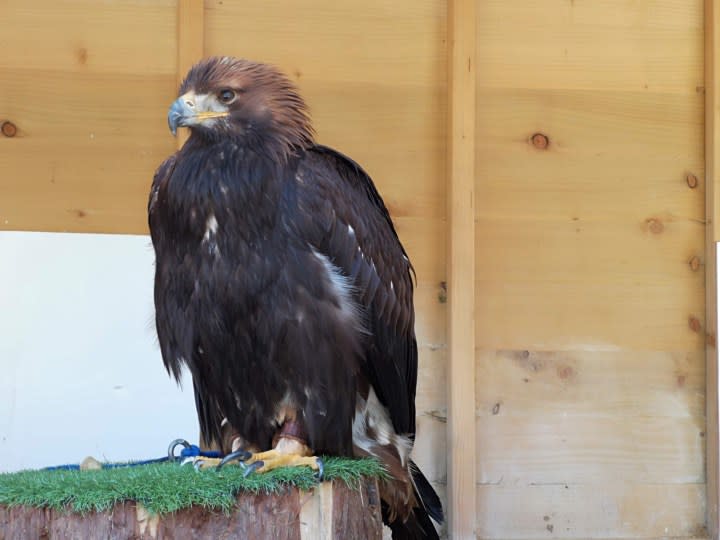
(288, 452)
(201, 462)
(272, 459)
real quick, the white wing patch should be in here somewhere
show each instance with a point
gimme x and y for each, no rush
(343, 288)
(211, 228)
(372, 427)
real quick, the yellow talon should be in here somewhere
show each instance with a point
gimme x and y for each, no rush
(272, 459)
(200, 462)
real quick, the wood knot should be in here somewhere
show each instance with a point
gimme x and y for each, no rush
(8, 128)
(694, 263)
(694, 324)
(692, 180)
(654, 225)
(442, 292)
(565, 372)
(540, 141)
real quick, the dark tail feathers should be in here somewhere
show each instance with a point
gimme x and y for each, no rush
(419, 526)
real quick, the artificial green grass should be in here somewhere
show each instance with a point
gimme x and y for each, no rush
(166, 487)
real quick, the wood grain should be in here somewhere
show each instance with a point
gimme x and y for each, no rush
(712, 159)
(591, 385)
(330, 511)
(190, 43)
(461, 269)
(600, 46)
(575, 450)
(607, 510)
(89, 106)
(590, 312)
(84, 157)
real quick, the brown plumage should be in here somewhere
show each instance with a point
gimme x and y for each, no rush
(267, 107)
(282, 285)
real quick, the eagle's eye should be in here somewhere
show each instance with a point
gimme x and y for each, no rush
(226, 96)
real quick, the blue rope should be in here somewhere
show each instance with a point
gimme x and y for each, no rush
(189, 450)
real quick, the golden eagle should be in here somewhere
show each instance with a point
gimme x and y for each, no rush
(281, 284)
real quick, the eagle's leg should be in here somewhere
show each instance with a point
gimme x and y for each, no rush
(289, 450)
(230, 442)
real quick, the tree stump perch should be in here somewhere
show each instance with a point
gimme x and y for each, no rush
(331, 510)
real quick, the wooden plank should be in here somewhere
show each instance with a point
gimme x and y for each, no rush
(586, 317)
(712, 235)
(591, 384)
(604, 46)
(571, 226)
(577, 266)
(712, 400)
(383, 104)
(82, 36)
(541, 449)
(88, 169)
(461, 269)
(89, 107)
(590, 296)
(393, 43)
(591, 168)
(190, 44)
(610, 510)
(578, 250)
(544, 449)
(423, 239)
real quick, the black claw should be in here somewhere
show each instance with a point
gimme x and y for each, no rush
(249, 469)
(321, 469)
(174, 445)
(239, 455)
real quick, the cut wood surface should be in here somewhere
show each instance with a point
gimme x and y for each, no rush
(333, 510)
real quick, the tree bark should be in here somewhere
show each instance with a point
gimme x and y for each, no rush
(332, 510)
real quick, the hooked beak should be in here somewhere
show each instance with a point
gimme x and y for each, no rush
(190, 110)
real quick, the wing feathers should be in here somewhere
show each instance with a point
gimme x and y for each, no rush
(363, 244)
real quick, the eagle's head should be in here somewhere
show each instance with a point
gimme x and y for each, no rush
(252, 103)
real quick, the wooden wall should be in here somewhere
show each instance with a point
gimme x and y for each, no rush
(581, 127)
(88, 104)
(590, 291)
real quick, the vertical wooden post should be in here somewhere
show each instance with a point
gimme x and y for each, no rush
(461, 270)
(190, 43)
(712, 209)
